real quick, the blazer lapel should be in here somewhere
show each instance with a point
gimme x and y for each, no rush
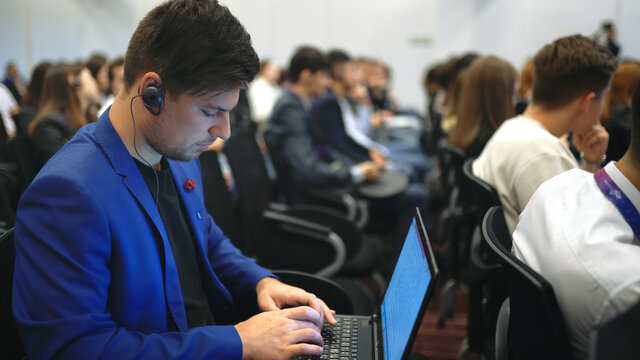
(124, 165)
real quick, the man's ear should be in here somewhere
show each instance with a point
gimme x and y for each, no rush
(304, 75)
(585, 101)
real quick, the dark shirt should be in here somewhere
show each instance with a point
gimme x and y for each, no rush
(182, 244)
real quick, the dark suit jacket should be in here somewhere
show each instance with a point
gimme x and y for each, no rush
(95, 275)
(327, 128)
(292, 150)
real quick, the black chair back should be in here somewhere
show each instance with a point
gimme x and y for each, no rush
(22, 154)
(219, 202)
(329, 291)
(255, 191)
(451, 159)
(10, 342)
(285, 185)
(618, 338)
(484, 195)
(536, 325)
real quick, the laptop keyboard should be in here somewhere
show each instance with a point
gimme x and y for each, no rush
(340, 341)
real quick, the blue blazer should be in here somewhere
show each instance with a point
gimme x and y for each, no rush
(95, 276)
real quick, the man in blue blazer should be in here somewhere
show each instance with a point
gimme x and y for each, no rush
(116, 255)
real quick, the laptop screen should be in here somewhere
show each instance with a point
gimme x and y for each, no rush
(405, 294)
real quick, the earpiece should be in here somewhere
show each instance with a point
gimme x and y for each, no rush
(153, 97)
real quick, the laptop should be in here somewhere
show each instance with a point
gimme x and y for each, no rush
(390, 333)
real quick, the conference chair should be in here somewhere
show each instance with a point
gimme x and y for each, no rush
(256, 198)
(355, 210)
(618, 338)
(288, 242)
(10, 342)
(485, 276)
(536, 328)
(332, 293)
(455, 227)
(21, 154)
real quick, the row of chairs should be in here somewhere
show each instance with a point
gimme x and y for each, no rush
(305, 237)
(513, 312)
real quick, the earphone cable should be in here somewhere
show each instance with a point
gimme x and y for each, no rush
(138, 153)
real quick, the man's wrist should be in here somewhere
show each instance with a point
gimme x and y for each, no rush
(589, 165)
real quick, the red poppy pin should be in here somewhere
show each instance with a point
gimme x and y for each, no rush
(189, 184)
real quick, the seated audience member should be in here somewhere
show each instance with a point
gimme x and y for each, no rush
(334, 120)
(486, 101)
(116, 79)
(289, 137)
(584, 240)
(616, 116)
(524, 87)
(606, 36)
(263, 93)
(32, 98)
(571, 79)
(382, 120)
(116, 255)
(8, 109)
(452, 79)
(13, 81)
(377, 79)
(99, 69)
(66, 93)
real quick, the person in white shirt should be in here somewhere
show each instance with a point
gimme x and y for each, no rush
(571, 80)
(263, 93)
(576, 237)
(8, 108)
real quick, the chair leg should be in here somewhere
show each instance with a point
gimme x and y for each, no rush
(502, 326)
(447, 301)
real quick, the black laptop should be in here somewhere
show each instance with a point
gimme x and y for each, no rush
(389, 334)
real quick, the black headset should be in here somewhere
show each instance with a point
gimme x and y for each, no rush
(153, 97)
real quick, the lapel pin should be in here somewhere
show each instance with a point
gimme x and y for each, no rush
(189, 184)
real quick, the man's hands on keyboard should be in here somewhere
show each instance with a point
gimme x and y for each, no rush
(281, 334)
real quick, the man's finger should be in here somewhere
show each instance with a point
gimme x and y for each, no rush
(304, 313)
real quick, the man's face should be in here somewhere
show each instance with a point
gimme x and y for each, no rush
(318, 83)
(347, 74)
(189, 124)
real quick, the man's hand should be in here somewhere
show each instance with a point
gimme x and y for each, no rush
(274, 295)
(281, 334)
(592, 143)
(378, 158)
(370, 170)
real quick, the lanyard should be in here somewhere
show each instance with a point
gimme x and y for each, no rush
(619, 199)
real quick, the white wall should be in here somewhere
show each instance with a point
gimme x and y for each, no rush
(397, 32)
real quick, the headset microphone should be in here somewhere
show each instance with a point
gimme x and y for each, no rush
(153, 97)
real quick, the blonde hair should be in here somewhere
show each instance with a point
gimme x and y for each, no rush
(486, 99)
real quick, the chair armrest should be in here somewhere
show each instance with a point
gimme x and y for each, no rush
(307, 233)
(356, 210)
(329, 217)
(334, 295)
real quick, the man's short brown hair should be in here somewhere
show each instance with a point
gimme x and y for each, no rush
(195, 46)
(568, 68)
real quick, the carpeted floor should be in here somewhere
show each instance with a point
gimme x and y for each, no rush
(441, 344)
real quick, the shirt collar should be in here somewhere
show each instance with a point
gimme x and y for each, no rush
(624, 184)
